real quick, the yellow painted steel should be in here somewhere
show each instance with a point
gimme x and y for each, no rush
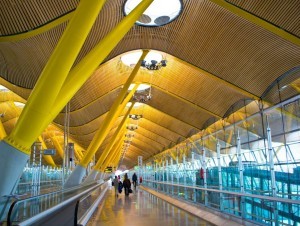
(41, 101)
(84, 69)
(116, 146)
(113, 139)
(2, 131)
(116, 160)
(105, 127)
(109, 150)
(57, 146)
(258, 21)
(39, 30)
(115, 151)
(111, 155)
(47, 158)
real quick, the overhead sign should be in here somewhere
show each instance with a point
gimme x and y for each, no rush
(108, 169)
(49, 152)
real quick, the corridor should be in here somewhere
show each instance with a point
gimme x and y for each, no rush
(141, 208)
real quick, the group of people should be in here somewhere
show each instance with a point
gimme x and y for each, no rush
(117, 183)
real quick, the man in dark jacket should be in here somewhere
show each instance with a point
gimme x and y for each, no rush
(126, 184)
(134, 180)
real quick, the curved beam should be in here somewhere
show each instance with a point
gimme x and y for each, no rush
(171, 141)
(163, 127)
(174, 118)
(151, 139)
(187, 102)
(39, 30)
(141, 141)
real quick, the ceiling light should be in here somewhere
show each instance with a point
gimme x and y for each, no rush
(19, 104)
(159, 13)
(135, 117)
(130, 59)
(141, 87)
(136, 104)
(131, 127)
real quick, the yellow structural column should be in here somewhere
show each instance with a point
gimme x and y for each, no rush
(77, 175)
(2, 131)
(84, 69)
(116, 134)
(109, 159)
(91, 177)
(117, 158)
(104, 129)
(104, 160)
(115, 152)
(47, 158)
(41, 101)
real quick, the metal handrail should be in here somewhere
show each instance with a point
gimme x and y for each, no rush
(52, 209)
(269, 198)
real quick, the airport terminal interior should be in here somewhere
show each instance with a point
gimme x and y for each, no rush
(200, 99)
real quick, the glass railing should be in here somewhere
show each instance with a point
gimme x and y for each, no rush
(24, 209)
(87, 205)
(260, 209)
(43, 187)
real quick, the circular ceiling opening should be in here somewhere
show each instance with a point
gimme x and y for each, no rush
(130, 59)
(159, 13)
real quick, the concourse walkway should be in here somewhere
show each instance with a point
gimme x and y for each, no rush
(141, 208)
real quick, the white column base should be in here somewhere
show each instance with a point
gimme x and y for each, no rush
(12, 163)
(91, 177)
(76, 177)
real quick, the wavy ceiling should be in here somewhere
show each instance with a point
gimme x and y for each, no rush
(215, 58)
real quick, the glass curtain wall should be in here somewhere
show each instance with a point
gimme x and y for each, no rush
(254, 149)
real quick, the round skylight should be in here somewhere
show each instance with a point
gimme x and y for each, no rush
(130, 59)
(159, 13)
(141, 87)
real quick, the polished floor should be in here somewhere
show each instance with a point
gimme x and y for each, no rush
(141, 209)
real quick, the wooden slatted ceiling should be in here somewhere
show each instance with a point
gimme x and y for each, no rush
(92, 111)
(22, 16)
(24, 60)
(204, 35)
(146, 142)
(177, 109)
(134, 150)
(243, 50)
(284, 14)
(153, 136)
(164, 120)
(88, 128)
(157, 144)
(155, 130)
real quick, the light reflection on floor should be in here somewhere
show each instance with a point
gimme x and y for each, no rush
(142, 209)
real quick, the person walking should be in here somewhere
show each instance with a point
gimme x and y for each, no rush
(134, 180)
(116, 185)
(126, 184)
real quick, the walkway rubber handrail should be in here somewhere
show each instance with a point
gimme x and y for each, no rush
(86, 217)
(40, 215)
(269, 198)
